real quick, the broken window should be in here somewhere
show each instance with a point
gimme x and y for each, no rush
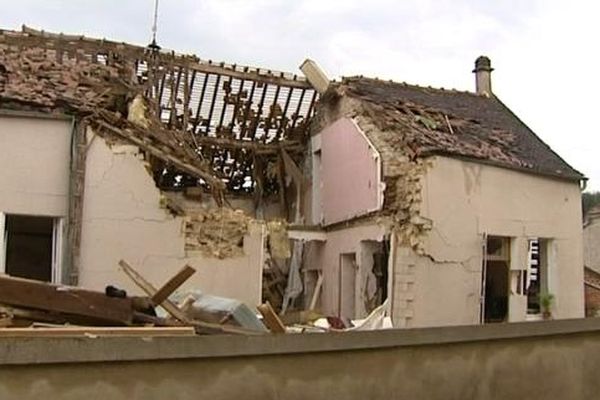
(537, 276)
(30, 247)
(374, 275)
(495, 279)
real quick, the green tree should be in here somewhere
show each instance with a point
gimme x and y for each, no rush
(589, 200)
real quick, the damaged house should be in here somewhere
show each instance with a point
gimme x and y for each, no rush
(112, 151)
(443, 202)
(337, 197)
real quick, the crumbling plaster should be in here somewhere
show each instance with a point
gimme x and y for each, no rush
(464, 200)
(123, 219)
(35, 165)
(401, 170)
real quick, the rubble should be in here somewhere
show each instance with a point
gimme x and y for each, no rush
(202, 124)
(217, 232)
(34, 308)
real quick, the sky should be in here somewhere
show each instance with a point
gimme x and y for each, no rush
(545, 53)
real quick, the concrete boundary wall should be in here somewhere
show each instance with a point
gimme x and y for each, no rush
(109, 349)
(536, 360)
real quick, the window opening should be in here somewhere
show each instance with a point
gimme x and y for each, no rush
(495, 279)
(29, 247)
(537, 276)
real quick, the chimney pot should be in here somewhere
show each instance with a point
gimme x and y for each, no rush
(483, 76)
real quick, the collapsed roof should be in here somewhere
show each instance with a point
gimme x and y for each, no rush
(220, 126)
(419, 121)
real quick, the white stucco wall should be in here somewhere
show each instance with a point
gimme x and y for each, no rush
(122, 220)
(464, 200)
(34, 165)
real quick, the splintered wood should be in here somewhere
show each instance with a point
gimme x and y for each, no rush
(172, 308)
(75, 304)
(216, 126)
(270, 318)
(34, 308)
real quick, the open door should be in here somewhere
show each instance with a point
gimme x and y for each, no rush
(347, 286)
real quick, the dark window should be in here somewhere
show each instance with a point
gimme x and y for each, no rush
(29, 247)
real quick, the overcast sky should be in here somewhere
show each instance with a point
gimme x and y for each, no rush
(545, 53)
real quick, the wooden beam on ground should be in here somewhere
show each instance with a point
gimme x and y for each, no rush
(24, 314)
(173, 310)
(173, 284)
(98, 331)
(79, 303)
(150, 290)
(270, 318)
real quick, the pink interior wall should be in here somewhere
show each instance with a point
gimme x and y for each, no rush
(349, 173)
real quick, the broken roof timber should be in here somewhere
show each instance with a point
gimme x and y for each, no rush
(59, 41)
(215, 117)
(424, 121)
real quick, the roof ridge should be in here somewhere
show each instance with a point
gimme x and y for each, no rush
(413, 85)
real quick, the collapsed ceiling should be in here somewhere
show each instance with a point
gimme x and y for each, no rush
(223, 127)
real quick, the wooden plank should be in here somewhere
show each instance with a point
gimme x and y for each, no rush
(25, 314)
(175, 282)
(40, 39)
(171, 308)
(270, 319)
(98, 331)
(294, 171)
(317, 292)
(150, 290)
(190, 169)
(260, 148)
(77, 302)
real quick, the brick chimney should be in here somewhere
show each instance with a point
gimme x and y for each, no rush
(483, 76)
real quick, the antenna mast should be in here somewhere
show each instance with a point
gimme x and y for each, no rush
(154, 45)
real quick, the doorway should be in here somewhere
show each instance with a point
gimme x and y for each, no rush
(30, 247)
(347, 286)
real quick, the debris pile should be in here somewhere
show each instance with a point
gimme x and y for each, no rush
(216, 232)
(201, 124)
(29, 308)
(35, 304)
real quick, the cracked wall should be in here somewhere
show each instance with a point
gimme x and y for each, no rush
(464, 200)
(123, 218)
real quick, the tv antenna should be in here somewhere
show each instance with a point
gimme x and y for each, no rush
(153, 45)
